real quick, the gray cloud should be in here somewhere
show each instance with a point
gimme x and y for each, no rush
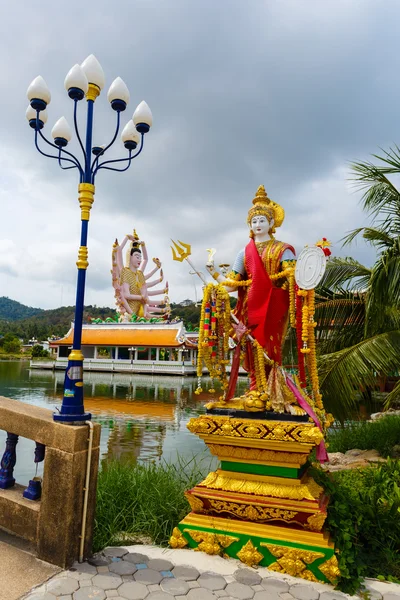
(242, 93)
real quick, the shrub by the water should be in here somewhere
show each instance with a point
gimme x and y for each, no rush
(381, 435)
(143, 501)
(364, 520)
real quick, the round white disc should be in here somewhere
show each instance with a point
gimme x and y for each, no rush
(310, 267)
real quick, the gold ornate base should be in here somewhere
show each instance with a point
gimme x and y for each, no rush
(261, 506)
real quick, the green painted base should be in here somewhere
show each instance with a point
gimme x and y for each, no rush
(309, 555)
(268, 470)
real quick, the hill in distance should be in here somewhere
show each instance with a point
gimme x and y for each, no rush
(11, 310)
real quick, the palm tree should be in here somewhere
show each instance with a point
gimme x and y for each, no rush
(358, 309)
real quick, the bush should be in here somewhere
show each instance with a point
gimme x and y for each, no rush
(135, 500)
(39, 351)
(364, 520)
(12, 346)
(379, 435)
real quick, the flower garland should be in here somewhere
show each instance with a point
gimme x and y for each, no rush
(300, 355)
(214, 330)
(235, 283)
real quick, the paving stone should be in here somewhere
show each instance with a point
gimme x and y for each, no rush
(62, 586)
(193, 584)
(85, 583)
(40, 597)
(220, 594)
(98, 560)
(81, 576)
(257, 588)
(391, 596)
(160, 564)
(304, 592)
(265, 596)
(107, 582)
(212, 581)
(111, 593)
(141, 566)
(332, 596)
(286, 596)
(230, 579)
(239, 590)
(90, 593)
(201, 594)
(148, 576)
(154, 587)
(247, 576)
(69, 597)
(159, 596)
(123, 568)
(133, 590)
(103, 569)
(134, 557)
(84, 567)
(179, 587)
(115, 551)
(185, 573)
(166, 573)
(276, 585)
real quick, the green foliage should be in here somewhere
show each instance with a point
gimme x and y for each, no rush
(363, 518)
(380, 435)
(38, 351)
(136, 501)
(12, 346)
(11, 310)
(51, 322)
(358, 309)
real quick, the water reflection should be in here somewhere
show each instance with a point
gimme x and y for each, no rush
(143, 417)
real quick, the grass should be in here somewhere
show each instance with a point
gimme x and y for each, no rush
(380, 435)
(143, 501)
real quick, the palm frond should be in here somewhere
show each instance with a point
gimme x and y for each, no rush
(344, 374)
(342, 271)
(340, 322)
(393, 397)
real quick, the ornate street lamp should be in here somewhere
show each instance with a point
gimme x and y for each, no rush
(85, 80)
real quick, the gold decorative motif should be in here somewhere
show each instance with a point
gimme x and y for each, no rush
(86, 199)
(252, 512)
(76, 355)
(211, 543)
(93, 92)
(249, 554)
(262, 205)
(177, 540)
(253, 454)
(330, 569)
(293, 561)
(283, 431)
(308, 490)
(82, 262)
(195, 503)
(316, 521)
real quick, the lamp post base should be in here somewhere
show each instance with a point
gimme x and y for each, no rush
(72, 419)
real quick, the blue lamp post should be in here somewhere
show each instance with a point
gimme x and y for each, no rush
(86, 80)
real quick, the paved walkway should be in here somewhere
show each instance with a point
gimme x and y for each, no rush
(152, 573)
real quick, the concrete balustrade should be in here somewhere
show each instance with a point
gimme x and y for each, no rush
(54, 522)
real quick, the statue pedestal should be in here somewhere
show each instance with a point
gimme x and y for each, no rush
(261, 506)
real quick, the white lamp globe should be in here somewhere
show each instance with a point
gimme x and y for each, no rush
(118, 94)
(76, 83)
(31, 116)
(61, 132)
(142, 117)
(38, 93)
(93, 71)
(130, 136)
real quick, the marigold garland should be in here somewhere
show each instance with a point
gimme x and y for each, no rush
(214, 330)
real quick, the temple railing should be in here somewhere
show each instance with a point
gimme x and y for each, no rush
(53, 522)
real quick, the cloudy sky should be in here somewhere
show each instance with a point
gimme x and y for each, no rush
(243, 92)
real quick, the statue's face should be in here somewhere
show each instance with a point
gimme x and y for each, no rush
(260, 225)
(136, 259)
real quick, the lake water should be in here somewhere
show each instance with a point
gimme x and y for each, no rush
(142, 417)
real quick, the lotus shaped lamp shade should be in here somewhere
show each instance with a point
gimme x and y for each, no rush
(62, 130)
(31, 114)
(76, 78)
(142, 115)
(93, 71)
(130, 133)
(38, 90)
(118, 91)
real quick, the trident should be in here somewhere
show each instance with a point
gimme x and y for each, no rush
(181, 252)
